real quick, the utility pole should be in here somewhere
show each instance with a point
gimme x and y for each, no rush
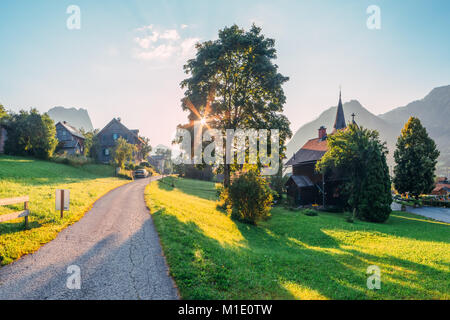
(323, 190)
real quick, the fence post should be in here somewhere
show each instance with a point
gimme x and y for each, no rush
(25, 207)
(62, 203)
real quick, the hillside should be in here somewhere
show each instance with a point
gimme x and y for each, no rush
(78, 118)
(433, 111)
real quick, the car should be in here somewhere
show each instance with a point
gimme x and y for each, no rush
(140, 173)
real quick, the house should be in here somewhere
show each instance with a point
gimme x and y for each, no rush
(442, 187)
(3, 137)
(70, 139)
(157, 161)
(306, 186)
(108, 136)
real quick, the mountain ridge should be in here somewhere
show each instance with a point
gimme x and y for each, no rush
(78, 118)
(433, 111)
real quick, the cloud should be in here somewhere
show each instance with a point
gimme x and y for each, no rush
(188, 46)
(162, 44)
(184, 26)
(170, 35)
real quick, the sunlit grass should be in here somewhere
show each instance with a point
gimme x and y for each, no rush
(294, 256)
(39, 180)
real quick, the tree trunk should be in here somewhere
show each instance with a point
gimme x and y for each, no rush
(226, 175)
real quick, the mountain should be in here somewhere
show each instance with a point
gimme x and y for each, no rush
(433, 111)
(78, 118)
(362, 117)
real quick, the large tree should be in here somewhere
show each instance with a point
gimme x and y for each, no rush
(358, 154)
(146, 147)
(233, 83)
(31, 134)
(3, 112)
(416, 157)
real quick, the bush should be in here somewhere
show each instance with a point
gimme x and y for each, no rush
(72, 160)
(310, 212)
(145, 164)
(249, 198)
(125, 174)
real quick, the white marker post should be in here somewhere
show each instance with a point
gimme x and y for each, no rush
(62, 198)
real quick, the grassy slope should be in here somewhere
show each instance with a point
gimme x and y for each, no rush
(293, 256)
(39, 180)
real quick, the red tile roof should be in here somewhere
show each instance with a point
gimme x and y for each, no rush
(313, 150)
(316, 145)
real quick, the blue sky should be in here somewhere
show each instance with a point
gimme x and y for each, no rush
(126, 60)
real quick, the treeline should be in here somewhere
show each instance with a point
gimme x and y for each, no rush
(29, 133)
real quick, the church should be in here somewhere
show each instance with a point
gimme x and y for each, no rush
(306, 186)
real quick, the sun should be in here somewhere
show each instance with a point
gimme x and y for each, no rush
(203, 121)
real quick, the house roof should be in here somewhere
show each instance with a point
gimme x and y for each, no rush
(73, 131)
(133, 132)
(301, 181)
(313, 150)
(442, 186)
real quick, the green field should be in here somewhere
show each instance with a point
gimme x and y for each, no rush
(39, 180)
(294, 256)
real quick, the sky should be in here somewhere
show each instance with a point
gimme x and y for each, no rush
(126, 59)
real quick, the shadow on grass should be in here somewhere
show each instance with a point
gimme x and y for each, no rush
(197, 188)
(273, 261)
(13, 227)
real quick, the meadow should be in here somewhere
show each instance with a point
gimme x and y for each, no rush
(292, 255)
(39, 180)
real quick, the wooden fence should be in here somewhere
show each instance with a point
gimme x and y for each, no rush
(19, 214)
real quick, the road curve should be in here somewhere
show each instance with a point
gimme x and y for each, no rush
(115, 246)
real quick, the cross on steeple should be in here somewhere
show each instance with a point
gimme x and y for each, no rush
(353, 117)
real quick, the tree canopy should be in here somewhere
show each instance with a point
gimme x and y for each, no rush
(416, 158)
(31, 134)
(234, 84)
(359, 155)
(123, 152)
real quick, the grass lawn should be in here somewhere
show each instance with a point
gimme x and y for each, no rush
(39, 180)
(294, 256)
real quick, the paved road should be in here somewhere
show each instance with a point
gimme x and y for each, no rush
(116, 247)
(435, 213)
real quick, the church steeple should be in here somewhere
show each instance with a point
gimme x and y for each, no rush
(339, 123)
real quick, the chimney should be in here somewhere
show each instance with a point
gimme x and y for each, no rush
(322, 132)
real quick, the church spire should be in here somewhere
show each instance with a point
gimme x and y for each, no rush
(339, 123)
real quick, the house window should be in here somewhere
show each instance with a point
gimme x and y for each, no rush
(115, 136)
(106, 152)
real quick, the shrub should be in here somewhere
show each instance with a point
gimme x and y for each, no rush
(249, 198)
(310, 212)
(145, 164)
(125, 174)
(72, 160)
